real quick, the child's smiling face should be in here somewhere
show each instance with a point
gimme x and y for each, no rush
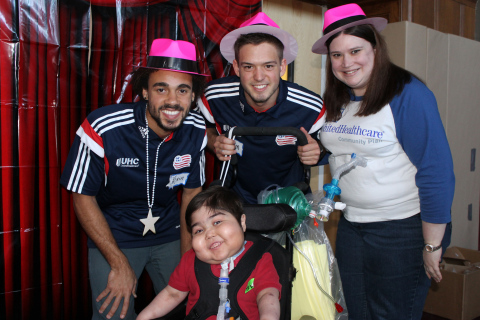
(216, 235)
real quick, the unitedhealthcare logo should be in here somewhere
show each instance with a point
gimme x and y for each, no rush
(127, 162)
(354, 130)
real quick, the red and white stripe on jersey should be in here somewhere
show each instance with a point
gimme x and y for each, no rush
(319, 122)
(204, 108)
(310, 101)
(91, 140)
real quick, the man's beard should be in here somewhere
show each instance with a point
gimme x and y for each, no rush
(156, 116)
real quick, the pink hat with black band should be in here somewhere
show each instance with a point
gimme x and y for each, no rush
(260, 23)
(173, 55)
(343, 17)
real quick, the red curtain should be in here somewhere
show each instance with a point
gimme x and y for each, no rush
(58, 61)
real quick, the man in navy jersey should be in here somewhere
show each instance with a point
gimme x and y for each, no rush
(125, 168)
(257, 97)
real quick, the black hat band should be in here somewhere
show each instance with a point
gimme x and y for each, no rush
(172, 63)
(342, 22)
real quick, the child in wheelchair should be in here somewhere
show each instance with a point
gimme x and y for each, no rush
(221, 261)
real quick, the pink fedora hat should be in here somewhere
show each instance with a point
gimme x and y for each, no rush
(260, 23)
(173, 55)
(340, 18)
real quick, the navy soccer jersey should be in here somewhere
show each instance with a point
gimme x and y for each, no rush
(263, 160)
(108, 160)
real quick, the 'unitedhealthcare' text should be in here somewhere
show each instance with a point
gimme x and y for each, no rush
(355, 130)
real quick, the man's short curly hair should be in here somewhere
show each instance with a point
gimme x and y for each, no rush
(141, 75)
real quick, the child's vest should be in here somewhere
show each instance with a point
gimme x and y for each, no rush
(207, 304)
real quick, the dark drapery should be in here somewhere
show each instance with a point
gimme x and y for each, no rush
(58, 61)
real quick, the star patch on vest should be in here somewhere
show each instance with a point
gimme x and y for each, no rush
(249, 285)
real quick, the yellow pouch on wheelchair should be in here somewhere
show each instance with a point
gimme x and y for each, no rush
(307, 299)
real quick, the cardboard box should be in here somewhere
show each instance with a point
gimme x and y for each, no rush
(457, 296)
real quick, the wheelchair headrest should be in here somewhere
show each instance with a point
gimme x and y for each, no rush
(266, 218)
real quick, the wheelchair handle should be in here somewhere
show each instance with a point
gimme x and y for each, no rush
(274, 131)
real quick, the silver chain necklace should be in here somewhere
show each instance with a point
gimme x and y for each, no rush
(149, 222)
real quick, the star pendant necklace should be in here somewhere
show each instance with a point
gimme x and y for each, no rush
(150, 220)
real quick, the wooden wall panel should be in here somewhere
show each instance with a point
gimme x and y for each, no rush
(468, 22)
(389, 10)
(423, 12)
(448, 17)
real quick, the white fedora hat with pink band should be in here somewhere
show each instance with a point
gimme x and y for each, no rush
(343, 17)
(173, 55)
(260, 23)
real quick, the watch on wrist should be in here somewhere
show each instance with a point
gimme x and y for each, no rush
(430, 248)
